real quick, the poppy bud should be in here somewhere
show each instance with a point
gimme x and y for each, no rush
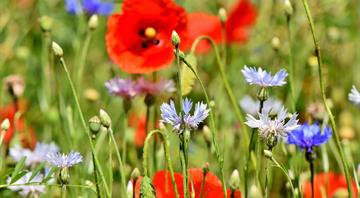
(175, 39)
(234, 180)
(93, 22)
(45, 23)
(288, 8)
(222, 15)
(105, 118)
(5, 125)
(58, 51)
(94, 125)
(275, 43)
(135, 174)
(268, 153)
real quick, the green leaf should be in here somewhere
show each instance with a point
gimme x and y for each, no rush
(37, 170)
(19, 166)
(187, 76)
(18, 176)
(146, 188)
(48, 176)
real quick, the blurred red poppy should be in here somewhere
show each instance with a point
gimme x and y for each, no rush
(328, 184)
(26, 134)
(239, 20)
(212, 185)
(139, 39)
(139, 125)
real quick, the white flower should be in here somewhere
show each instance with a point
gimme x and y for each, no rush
(252, 107)
(28, 189)
(354, 96)
(277, 127)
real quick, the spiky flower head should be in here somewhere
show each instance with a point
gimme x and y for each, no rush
(62, 160)
(263, 78)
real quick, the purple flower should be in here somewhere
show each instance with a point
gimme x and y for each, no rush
(269, 127)
(121, 87)
(354, 96)
(33, 157)
(169, 115)
(263, 78)
(64, 161)
(144, 86)
(89, 6)
(26, 190)
(307, 136)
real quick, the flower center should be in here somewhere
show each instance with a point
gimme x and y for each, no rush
(150, 32)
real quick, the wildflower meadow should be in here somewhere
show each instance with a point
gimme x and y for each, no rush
(180, 98)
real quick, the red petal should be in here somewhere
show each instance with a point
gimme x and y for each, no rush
(202, 24)
(212, 187)
(163, 185)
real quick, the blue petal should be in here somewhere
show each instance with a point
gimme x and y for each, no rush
(73, 6)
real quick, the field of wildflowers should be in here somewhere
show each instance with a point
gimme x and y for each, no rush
(180, 98)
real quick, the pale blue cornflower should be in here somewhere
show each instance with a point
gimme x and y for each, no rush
(33, 157)
(169, 115)
(64, 161)
(308, 136)
(24, 189)
(263, 78)
(121, 87)
(89, 6)
(269, 127)
(252, 107)
(354, 96)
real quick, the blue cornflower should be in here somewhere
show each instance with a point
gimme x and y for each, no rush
(169, 114)
(89, 6)
(307, 136)
(64, 161)
(122, 87)
(354, 96)
(263, 78)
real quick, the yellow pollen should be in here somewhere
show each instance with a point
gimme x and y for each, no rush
(150, 32)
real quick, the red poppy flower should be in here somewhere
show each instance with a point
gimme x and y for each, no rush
(335, 182)
(139, 124)
(162, 183)
(240, 18)
(27, 134)
(139, 39)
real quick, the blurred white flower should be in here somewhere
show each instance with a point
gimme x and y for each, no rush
(251, 106)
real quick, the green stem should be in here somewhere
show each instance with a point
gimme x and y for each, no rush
(286, 174)
(83, 55)
(219, 156)
(121, 166)
(322, 88)
(291, 65)
(96, 178)
(110, 167)
(226, 84)
(167, 156)
(184, 163)
(62, 61)
(2, 137)
(63, 191)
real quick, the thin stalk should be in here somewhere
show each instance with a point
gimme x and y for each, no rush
(62, 61)
(184, 163)
(96, 178)
(322, 88)
(219, 156)
(121, 166)
(110, 167)
(229, 91)
(83, 55)
(147, 126)
(311, 163)
(2, 137)
(286, 174)
(167, 156)
(291, 64)
(63, 191)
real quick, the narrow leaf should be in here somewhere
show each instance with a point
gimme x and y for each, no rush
(19, 166)
(146, 188)
(187, 76)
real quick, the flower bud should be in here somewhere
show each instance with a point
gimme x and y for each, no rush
(46, 23)
(64, 175)
(105, 118)
(149, 100)
(135, 174)
(207, 134)
(5, 125)
(58, 51)
(175, 39)
(263, 94)
(268, 153)
(206, 168)
(92, 95)
(187, 135)
(93, 22)
(275, 43)
(94, 125)
(222, 15)
(234, 182)
(15, 85)
(254, 192)
(288, 8)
